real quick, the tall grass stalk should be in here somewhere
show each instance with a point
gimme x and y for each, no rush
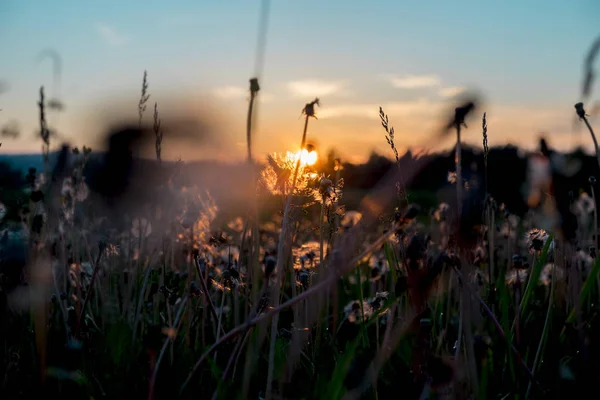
(486, 150)
(592, 181)
(389, 130)
(544, 338)
(459, 179)
(583, 116)
(309, 112)
(170, 337)
(144, 97)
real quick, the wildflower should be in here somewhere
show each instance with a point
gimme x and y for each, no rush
(584, 205)
(584, 261)
(309, 109)
(67, 186)
(232, 277)
(230, 255)
(451, 177)
(516, 275)
(441, 213)
(111, 250)
(351, 218)
(548, 272)
(308, 255)
(536, 239)
(278, 175)
(81, 191)
(236, 225)
(379, 266)
(328, 193)
(219, 238)
(580, 110)
(379, 299)
(355, 311)
(460, 113)
(197, 221)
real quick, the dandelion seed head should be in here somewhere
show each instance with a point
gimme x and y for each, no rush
(351, 218)
(584, 205)
(549, 272)
(515, 276)
(535, 240)
(356, 313)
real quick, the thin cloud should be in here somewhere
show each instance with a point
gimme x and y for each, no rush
(232, 92)
(451, 91)
(314, 88)
(110, 35)
(416, 81)
(419, 107)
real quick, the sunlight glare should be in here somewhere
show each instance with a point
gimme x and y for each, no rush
(306, 157)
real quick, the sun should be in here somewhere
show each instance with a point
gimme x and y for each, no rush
(307, 158)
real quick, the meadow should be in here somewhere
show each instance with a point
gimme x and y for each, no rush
(459, 281)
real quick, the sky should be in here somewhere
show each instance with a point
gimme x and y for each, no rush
(525, 58)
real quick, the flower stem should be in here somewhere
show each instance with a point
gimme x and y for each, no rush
(279, 266)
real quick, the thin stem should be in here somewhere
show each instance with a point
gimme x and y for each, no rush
(169, 338)
(459, 181)
(89, 293)
(321, 233)
(587, 123)
(206, 294)
(249, 123)
(595, 230)
(279, 265)
(460, 325)
(544, 330)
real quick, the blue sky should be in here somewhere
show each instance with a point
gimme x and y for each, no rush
(525, 57)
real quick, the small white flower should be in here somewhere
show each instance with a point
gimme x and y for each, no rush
(451, 177)
(141, 227)
(547, 273)
(584, 205)
(440, 214)
(82, 192)
(351, 218)
(516, 275)
(355, 312)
